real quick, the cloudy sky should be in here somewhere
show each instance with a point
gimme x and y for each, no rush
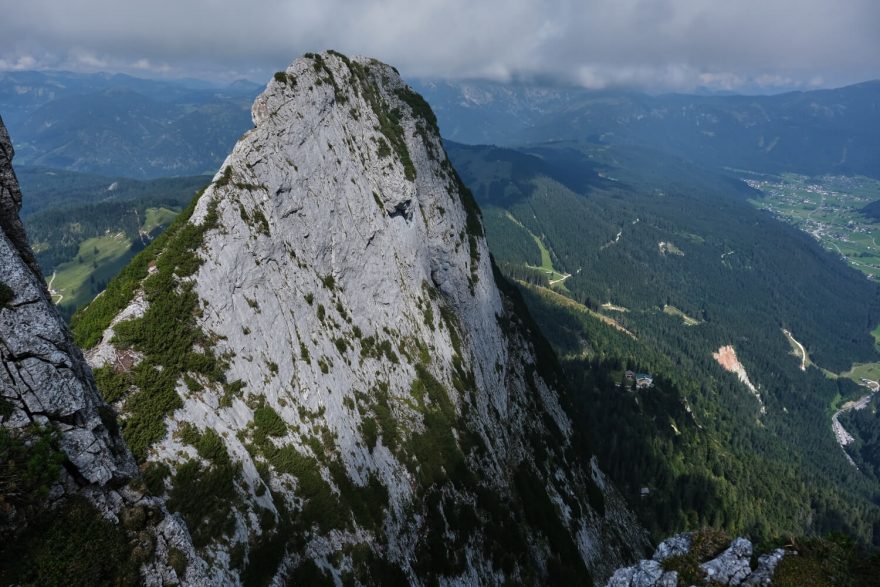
(651, 44)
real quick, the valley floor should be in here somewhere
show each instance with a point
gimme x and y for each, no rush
(829, 209)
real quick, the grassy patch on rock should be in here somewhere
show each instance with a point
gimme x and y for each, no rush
(206, 494)
(166, 335)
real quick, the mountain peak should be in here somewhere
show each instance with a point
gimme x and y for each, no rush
(322, 337)
(331, 82)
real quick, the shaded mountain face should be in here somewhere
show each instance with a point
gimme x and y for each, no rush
(120, 125)
(816, 132)
(321, 373)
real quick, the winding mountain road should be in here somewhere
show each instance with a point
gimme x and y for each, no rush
(801, 349)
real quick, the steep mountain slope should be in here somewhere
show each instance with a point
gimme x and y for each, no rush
(321, 376)
(45, 379)
(813, 132)
(680, 265)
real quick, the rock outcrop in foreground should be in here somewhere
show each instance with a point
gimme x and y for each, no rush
(45, 381)
(321, 378)
(698, 558)
(64, 468)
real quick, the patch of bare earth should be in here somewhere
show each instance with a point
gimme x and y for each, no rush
(726, 357)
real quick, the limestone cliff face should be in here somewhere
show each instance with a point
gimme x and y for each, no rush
(322, 377)
(44, 380)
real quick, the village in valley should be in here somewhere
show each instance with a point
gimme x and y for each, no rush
(831, 210)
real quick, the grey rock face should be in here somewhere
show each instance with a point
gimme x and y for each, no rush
(763, 575)
(647, 573)
(44, 377)
(732, 566)
(674, 546)
(349, 290)
(10, 202)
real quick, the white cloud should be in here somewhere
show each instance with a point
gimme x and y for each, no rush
(18, 63)
(87, 60)
(652, 43)
(144, 64)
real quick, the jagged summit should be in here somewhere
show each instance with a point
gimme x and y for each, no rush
(321, 378)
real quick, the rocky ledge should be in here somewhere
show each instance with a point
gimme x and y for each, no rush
(700, 558)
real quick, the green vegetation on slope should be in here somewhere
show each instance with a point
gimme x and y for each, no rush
(204, 494)
(71, 544)
(166, 334)
(68, 544)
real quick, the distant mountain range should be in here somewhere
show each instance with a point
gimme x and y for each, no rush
(815, 132)
(122, 125)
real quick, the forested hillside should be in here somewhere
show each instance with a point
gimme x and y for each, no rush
(632, 260)
(85, 228)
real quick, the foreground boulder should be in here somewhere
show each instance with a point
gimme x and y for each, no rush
(697, 558)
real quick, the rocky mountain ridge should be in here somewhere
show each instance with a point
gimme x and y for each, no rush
(321, 378)
(45, 380)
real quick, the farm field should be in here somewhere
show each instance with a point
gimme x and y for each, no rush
(75, 282)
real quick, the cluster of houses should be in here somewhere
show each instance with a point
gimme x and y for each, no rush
(642, 380)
